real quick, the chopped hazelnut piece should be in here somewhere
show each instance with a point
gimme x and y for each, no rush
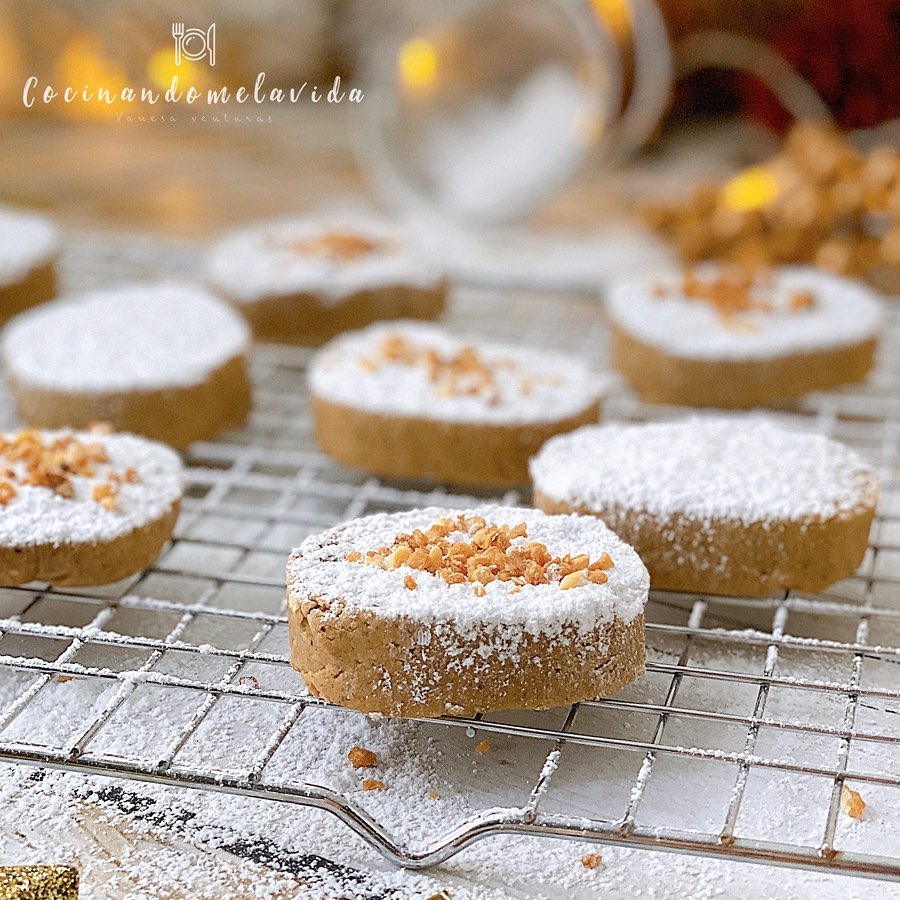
(372, 784)
(573, 580)
(852, 803)
(360, 758)
(434, 795)
(410, 583)
(62, 679)
(482, 747)
(353, 556)
(7, 492)
(105, 493)
(591, 860)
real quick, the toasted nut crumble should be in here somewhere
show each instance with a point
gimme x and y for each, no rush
(465, 374)
(410, 583)
(852, 803)
(341, 246)
(249, 681)
(434, 795)
(483, 747)
(105, 493)
(491, 553)
(372, 784)
(591, 860)
(62, 679)
(360, 758)
(55, 463)
(734, 293)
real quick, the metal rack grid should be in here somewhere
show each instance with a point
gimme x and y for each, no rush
(257, 492)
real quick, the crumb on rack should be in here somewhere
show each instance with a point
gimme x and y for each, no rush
(361, 758)
(591, 860)
(373, 784)
(852, 803)
(483, 747)
(249, 681)
(491, 553)
(62, 679)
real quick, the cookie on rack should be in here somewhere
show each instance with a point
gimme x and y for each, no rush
(83, 508)
(446, 611)
(167, 360)
(410, 401)
(719, 336)
(732, 505)
(29, 247)
(303, 281)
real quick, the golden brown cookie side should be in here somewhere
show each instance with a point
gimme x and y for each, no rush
(308, 320)
(177, 416)
(736, 559)
(88, 564)
(400, 667)
(427, 449)
(660, 377)
(38, 286)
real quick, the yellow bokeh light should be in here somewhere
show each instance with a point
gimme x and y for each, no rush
(161, 69)
(752, 189)
(615, 13)
(83, 63)
(417, 63)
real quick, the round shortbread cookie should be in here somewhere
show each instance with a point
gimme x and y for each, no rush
(302, 281)
(726, 505)
(29, 246)
(83, 508)
(408, 400)
(440, 611)
(166, 360)
(718, 337)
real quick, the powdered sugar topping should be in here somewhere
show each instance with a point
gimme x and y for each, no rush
(133, 337)
(284, 257)
(27, 240)
(735, 468)
(526, 385)
(38, 515)
(655, 311)
(319, 569)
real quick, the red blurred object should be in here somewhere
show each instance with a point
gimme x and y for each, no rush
(849, 51)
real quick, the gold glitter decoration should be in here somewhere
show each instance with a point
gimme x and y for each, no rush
(38, 883)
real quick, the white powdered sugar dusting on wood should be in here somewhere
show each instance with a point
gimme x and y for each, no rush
(38, 515)
(843, 313)
(138, 336)
(273, 259)
(529, 385)
(733, 468)
(27, 240)
(319, 569)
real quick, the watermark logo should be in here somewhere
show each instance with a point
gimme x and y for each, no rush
(194, 43)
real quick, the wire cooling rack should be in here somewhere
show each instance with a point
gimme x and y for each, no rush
(746, 704)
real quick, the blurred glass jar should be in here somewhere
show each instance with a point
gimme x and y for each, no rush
(479, 110)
